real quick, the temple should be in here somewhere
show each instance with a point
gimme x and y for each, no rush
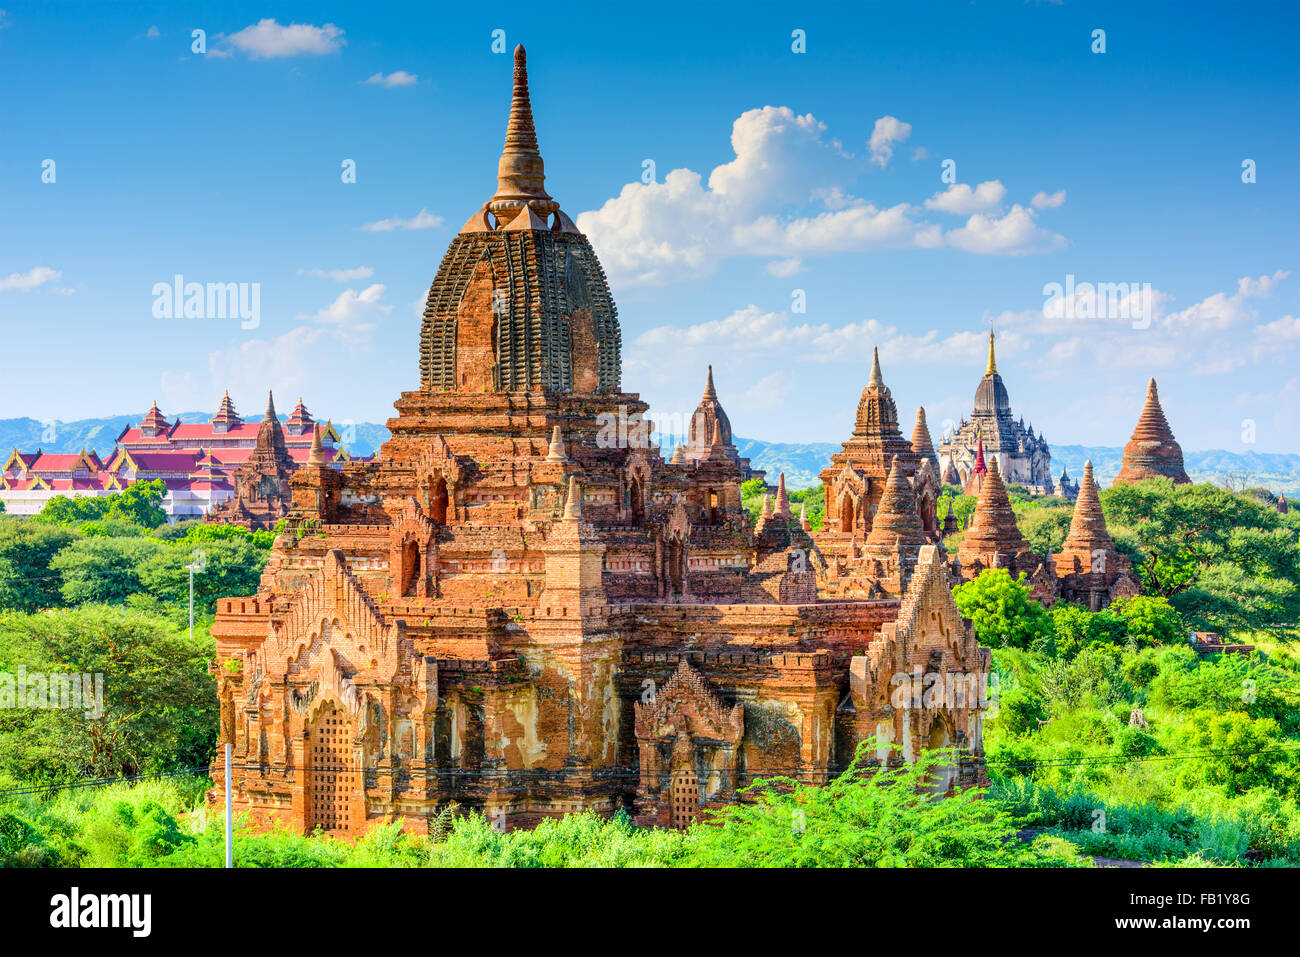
(709, 417)
(1023, 458)
(1152, 452)
(260, 488)
(881, 494)
(519, 606)
(198, 462)
(1091, 571)
(992, 539)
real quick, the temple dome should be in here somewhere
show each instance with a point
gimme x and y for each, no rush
(520, 302)
(991, 395)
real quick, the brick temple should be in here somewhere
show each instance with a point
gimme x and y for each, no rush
(522, 608)
(1152, 451)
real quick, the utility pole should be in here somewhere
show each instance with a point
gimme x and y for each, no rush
(191, 568)
(230, 844)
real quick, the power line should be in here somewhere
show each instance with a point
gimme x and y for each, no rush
(616, 773)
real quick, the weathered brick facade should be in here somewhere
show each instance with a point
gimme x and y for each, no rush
(520, 607)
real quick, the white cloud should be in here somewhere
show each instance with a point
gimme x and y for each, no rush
(286, 364)
(27, 281)
(784, 267)
(353, 314)
(268, 39)
(959, 198)
(1222, 310)
(1286, 329)
(1016, 233)
(396, 78)
(340, 275)
(919, 154)
(784, 195)
(153, 33)
(421, 220)
(1048, 200)
(887, 131)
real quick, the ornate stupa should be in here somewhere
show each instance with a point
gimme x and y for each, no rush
(1023, 457)
(709, 417)
(992, 539)
(1091, 571)
(1152, 452)
(474, 616)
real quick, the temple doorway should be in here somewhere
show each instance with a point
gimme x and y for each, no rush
(332, 774)
(685, 798)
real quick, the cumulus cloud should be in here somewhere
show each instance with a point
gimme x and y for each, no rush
(1222, 310)
(1048, 200)
(396, 78)
(888, 131)
(287, 364)
(268, 39)
(784, 267)
(340, 275)
(27, 281)
(353, 314)
(786, 194)
(959, 198)
(1014, 234)
(421, 220)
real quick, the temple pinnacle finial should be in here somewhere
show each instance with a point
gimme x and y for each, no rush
(270, 405)
(876, 378)
(782, 499)
(1151, 389)
(573, 504)
(709, 391)
(993, 359)
(317, 455)
(521, 175)
(555, 453)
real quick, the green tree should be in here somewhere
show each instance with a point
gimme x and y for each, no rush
(1223, 560)
(1000, 607)
(1149, 621)
(1075, 627)
(226, 569)
(27, 583)
(159, 702)
(103, 569)
(886, 818)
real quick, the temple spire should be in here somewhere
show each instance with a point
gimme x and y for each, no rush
(876, 378)
(1088, 525)
(921, 443)
(709, 391)
(521, 175)
(993, 359)
(317, 455)
(782, 499)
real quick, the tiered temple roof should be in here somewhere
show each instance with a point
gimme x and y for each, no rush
(1152, 452)
(1023, 457)
(1091, 571)
(710, 426)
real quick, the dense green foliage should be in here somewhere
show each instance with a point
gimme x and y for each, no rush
(883, 821)
(1106, 731)
(158, 701)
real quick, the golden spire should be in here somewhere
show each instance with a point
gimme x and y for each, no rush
(993, 360)
(521, 175)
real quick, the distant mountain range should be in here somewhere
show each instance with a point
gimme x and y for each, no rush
(801, 463)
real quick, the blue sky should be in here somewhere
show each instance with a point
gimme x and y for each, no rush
(775, 173)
